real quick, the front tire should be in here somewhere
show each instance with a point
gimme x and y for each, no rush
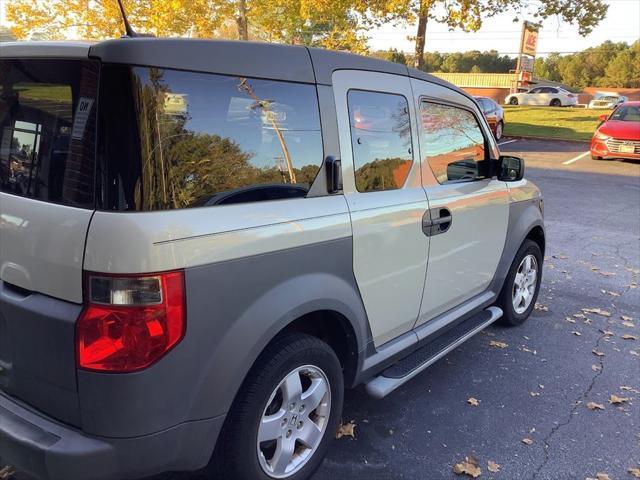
(556, 102)
(285, 414)
(499, 130)
(522, 285)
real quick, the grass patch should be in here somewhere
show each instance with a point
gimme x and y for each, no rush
(552, 122)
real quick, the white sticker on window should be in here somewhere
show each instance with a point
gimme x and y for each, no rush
(82, 115)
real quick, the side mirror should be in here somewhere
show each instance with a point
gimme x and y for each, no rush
(603, 117)
(334, 174)
(510, 169)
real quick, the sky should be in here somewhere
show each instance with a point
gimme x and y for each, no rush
(500, 33)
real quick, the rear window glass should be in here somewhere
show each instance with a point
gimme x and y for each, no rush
(175, 139)
(47, 130)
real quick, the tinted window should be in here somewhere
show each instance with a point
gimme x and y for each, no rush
(47, 130)
(452, 142)
(627, 113)
(381, 140)
(535, 90)
(174, 139)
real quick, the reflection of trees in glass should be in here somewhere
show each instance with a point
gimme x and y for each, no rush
(402, 122)
(385, 174)
(182, 167)
(441, 120)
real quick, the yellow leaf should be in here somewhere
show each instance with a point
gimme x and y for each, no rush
(595, 406)
(493, 466)
(497, 344)
(468, 467)
(597, 311)
(474, 402)
(615, 400)
(602, 476)
(346, 430)
(527, 441)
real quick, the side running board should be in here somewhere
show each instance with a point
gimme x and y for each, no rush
(410, 366)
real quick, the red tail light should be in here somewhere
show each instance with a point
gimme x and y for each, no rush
(130, 322)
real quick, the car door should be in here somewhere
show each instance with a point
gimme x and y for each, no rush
(382, 186)
(532, 97)
(469, 210)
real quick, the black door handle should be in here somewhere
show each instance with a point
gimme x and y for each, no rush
(436, 221)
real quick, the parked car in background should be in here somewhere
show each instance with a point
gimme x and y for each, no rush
(608, 100)
(618, 136)
(552, 96)
(494, 114)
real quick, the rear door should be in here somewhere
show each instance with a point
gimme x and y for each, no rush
(381, 169)
(469, 209)
(47, 130)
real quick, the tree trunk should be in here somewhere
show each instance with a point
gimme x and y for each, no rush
(423, 16)
(241, 20)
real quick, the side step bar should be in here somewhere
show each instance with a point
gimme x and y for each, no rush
(410, 366)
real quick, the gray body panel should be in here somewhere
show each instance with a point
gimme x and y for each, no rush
(45, 49)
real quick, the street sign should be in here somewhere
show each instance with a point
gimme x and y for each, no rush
(529, 43)
(526, 64)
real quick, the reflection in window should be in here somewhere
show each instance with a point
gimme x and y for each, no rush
(44, 152)
(452, 142)
(205, 139)
(381, 140)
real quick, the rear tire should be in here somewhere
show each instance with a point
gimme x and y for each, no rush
(271, 404)
(520, 290)
(595, 157)
(556, 102)
(513, 101)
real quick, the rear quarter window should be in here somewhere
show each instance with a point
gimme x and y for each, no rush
(176, 139)
(47, 129)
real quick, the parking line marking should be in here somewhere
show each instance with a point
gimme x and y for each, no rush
(575, 159)
(508, 141)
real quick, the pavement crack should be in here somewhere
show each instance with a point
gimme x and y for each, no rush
(576, 404)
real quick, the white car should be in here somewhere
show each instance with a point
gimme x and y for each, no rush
(552, 96)
(607, 100)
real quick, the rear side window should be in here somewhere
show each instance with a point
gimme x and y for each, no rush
(47, 130)
(381, 140)
(452, 141)
(175, 139)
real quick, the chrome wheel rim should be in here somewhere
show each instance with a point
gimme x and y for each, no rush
(294, 421)
(524, 285)
(498, 131)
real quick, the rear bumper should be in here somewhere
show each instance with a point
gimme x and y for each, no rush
(49, 450)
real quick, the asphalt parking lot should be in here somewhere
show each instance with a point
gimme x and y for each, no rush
(538, 386)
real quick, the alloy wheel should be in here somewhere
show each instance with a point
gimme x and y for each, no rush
(524, 284)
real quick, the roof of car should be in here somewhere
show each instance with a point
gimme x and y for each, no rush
(253, 59)
(635, 103)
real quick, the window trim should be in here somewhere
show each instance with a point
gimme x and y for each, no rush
(487, 147)
(353, 160)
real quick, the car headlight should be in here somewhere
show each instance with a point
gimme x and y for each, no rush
(601, 136)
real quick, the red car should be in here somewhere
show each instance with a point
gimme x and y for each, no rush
(494, 115)
(618, 136)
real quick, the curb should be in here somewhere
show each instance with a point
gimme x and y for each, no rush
(553, 139)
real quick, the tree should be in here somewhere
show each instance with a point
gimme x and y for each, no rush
(467, 15)
(624, 69)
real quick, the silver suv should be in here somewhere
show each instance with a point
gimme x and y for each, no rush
(202, 243)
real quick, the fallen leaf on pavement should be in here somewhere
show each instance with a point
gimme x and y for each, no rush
(635, 472)
(595, 269)
(579, 315)
(6, 472)
(616, 400)
(626, 318)
(541, 307)
(560, 257)
(629, 389)
(346, 430)
(595, 406)
(626, 336)
(527, 441)
(577, 334)
(627, 323)
(595, 368)
(608, 333)
(534, 394)
(493, 466)
(569, 319)
(609, 292)
(597, 311)
(633, 352)
(474, 402)
(497, 344)
(468, 467)
(602, 476)
(597, 353)
(607, 274)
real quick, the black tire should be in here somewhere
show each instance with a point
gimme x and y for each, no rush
(595, 157)
(510, 317)
(513, 101)
(236, 456)
(556, 102)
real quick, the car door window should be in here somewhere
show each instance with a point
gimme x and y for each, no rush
(381, 139)
(452, 141)
(535, 90)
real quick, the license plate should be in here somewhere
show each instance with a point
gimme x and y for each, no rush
(627, 148)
